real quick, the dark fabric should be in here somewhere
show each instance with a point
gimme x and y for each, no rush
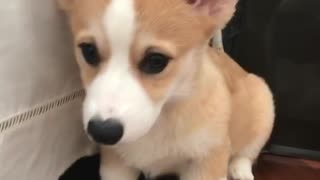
(279, 40)
(87, 168)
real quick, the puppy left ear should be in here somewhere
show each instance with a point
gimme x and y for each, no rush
(221, 11)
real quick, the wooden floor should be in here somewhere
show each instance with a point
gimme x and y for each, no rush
(283, 168)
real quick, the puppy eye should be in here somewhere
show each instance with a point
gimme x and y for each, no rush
(154, 63)
(90, 53)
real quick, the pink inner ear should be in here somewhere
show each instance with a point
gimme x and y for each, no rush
(212, 7)
(195, 3)
(198, 3)
(206, 6)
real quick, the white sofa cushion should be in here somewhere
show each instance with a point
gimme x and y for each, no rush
(40, 93)
(36, 56)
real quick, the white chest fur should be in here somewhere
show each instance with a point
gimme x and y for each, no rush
(163, 151)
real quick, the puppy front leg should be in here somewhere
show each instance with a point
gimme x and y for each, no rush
(212, 167)
(113, 168)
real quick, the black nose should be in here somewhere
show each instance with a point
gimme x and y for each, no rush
(107, 132)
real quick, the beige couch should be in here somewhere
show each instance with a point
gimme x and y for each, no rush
(40, 93)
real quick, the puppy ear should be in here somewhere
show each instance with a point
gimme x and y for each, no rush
(221, 11)
(65, 5)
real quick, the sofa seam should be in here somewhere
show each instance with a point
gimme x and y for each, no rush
(19, 118)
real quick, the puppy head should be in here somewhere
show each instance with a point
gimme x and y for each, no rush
(135, 56)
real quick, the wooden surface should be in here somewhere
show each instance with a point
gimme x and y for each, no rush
(283, 168)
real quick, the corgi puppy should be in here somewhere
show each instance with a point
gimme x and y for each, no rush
(158, 98)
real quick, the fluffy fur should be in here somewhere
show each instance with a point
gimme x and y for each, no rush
(203, 117)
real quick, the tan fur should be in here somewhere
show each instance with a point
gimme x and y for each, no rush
(227, 114)
(250, 97)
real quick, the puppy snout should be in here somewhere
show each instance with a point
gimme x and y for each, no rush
(107, 132)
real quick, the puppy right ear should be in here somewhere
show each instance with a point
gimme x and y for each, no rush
(221, 11)
(65, 5)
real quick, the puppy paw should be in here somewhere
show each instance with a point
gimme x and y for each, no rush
(240, 169)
